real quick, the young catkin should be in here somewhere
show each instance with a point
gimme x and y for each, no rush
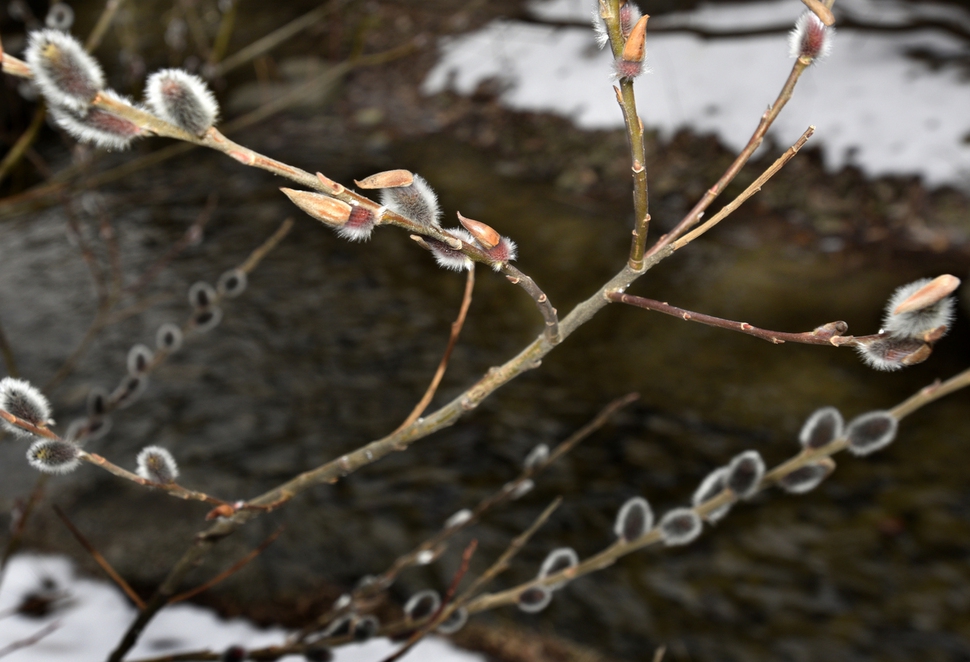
(804, 479)
(448, 257)
(182, 99)
(53, 456)
(810, 38)
(416, 202)
(710, 487)
(915, 323)
(202, 295)
(19, 398)
(871, 432)
(535, 599)
(157, 465)
(168, 338)
(458, 518)
(422, 605)
(680, 526)
(206, 320)
(556, 561)
(634, 520)
(139, 359)
(744, 474)
(454, 622)
(536, 456)
(64, 72)
(822, 427)
(232, 283)
(97, 126)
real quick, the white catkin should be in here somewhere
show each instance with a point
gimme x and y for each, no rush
(19, 398)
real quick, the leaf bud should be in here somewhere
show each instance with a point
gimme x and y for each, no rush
(557, 561)
(806, 478)
(321, 207)
(484, 234)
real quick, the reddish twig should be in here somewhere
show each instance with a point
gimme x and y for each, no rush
(236, 567)
(823, 335)
(456, 327)
(99, 559)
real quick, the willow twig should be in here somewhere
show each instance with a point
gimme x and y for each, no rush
(99, 559)
(516, 277)
(748, 192)
(456, 327)
(823, 335)
(236, 567)
(29, 641)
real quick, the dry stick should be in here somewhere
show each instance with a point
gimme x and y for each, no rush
(694, 215)
(29, 641)
(384, 580)
(456, 326)
(435, 618)
(236, 567)
(748, 192)
(192, 235)
(272, 40)
(263, 250)
(608, 556)
(823, 335)
(548, 313)
(658, 655)
(99, 559)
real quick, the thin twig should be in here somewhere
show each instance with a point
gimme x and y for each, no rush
(31, 640)
(748, 192)
(111, 8)
(40, 431)
(236, 567)
(7, 352)
(99, 559)
(263, 249)
(25, 140)
(822, 335)
(20, 523)
(456, 326)
(516, 277)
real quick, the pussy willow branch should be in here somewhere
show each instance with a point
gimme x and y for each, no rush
(608, 556)
(747, 193)
(516, 277)
(456, 326)
(823, 335)
(99, 559)
(694, 215)
(634, 130)
(505, 494)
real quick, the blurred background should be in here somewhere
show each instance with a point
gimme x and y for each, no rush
(505, 108)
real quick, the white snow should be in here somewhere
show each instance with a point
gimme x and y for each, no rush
(872, 106)
(95, 615)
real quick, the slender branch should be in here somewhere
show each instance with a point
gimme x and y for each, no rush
(456, 327)
(755, 186)
(40, 431)
(516, 277)
(174, 489)
(694, 215)
(31, 640)
(7, 352)
(99, 559)
(822, 335)
(25, 140)
(19, 523)
(236, 567)
(111, 8)
(263, 250)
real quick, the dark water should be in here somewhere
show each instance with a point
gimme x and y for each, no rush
(334, 342)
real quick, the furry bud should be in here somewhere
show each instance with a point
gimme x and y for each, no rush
(810, 38)
(891, 353)
(456, 620)
(710, 487)
(680, 526)
(206, 320)
(806, 478)
(202, 295)
(63, 71)
(634, 520)
(518, 489)
(60, 16)
(360, 224)
(446, 256)
(19, 398)
(744, 474)
(458, 518)
(921, 307)
(157, 465)
(557, 561)
(422, 605)
(535, 599)
(97, 126)
(537, 456)
(232, 283)
(139, 359)
(822, 428)
(629, 17)
(83, 430)
(505, 251)
(53, 456)
(483, 234)
(168, 338)
(871, 432)
(416, 202)
(182, 99)
(129, 390)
